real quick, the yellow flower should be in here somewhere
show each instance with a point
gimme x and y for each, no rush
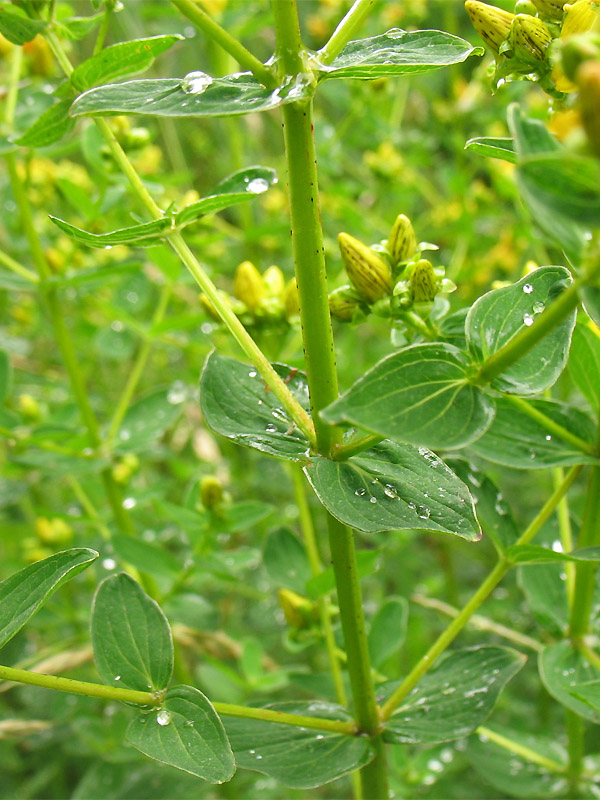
(579, 18)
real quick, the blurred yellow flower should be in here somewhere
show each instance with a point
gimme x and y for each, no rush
(579, 18)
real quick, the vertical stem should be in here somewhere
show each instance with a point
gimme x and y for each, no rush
(589, 535)
(345, 30)
(575, 735)
(307, 234)
(566, 533)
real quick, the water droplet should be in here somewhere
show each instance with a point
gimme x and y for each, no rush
(109, 563)
(163, 717)
(548, 438)
(196, 82)
(372, 499)
(320, 736)
(527, 319)
(538, 307)
(360, 492)
(412, 506)
(423, 512)
(252, 752)
(271, 428)
(117, 677)
(390, 491)
(258, 758)
(528, 288)
(177, 393)
(129, 502)
(253, 373)
(257, 186)
(557, 546)
(189, 724)
(449, 690)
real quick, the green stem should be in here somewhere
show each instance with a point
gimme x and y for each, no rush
(268, 715)
(244, 57)
(589, 535)
(17, 268)
(308, 533)
(12, 94)
(575, 746)
(343, 452)
(482, 593)
(566, 533)
(521, 750)
(307, 234)
(345, 30)
(103, 30)
(88, 506)
(550, 425)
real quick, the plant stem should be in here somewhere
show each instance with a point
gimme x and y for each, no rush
(575, 738)
(307, 234)
(482, 593)
(566, 533)
(345, 30)
(589, 535)
(343, 452)
(244, 57)
(310, 542)
(521, 750)
(549, 424)
(88, 506)
(268, 715)
(17, 268)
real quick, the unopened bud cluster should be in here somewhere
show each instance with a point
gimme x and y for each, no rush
(530, 43)
(262, 300)
(387, 279)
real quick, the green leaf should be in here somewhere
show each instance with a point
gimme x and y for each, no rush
(146, 557)
(299, 758)
(77, 28)
(398, 52)
(147, 420)
(563, 669)
(393, 487)
(531, 136)
(387, 630)
(455, 699)
(237, 404)
(286, 561)
(145, 234)
(237, 188)
(514, 439)
(24, 593)
(187, 734)
(589, 693)
(420, 394)
(5, 376)
(48, 128)
(132, 641)
(513, 775)
(590, 297)
(584, 362)
(536, 554)
(125, 58)
(165, 97)
(544, 589)
(16, 26)
(493, 147)
(496, 317)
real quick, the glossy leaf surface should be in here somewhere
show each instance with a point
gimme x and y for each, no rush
(421, 395)
(286, 560)
(563, 669)
(387, 629)
(23, 593)
(16, 26)
(50, 126)
(145, 234)
(454, 699)
(185, 733)
(133, 646)
(392, 487)
(496, 317)
(584, 362)
(299, 758)
(493, 147)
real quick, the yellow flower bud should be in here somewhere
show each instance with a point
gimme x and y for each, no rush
(402, 242)
(211, 492)
(343, 302)
(290, 299)
(552, 9)
(529, 37)
(29, 407)
(274, 281)
(491, 23)
(298, 610)
(579, 18)
(370, 275)
(53, 531)
(423, 282)
(248, 285)
(588, 82)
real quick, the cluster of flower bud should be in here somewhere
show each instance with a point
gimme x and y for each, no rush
(260, 300)
(528, 43)
(387, 279)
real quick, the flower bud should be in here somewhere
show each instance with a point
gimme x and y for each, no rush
(491, 23)
(274, 281)
(343, 302)
(423, 282)
(552, 9)
(529, 37)
(291, 301)
(525, 7)
(579, 18)
(29, 407)
(370, 275)
(402, 242)
(298, 610)
(588, 81)
(248, 285)
(211, 492)
(53, 531)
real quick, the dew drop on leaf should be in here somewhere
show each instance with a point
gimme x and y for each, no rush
(196, 82)
(527, 319)
(360, 492)
(538, 307)
(163, 717)
(528, 288)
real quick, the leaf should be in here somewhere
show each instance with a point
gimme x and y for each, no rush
(164, 97)
(544, 589)
(48, 128)
(398, 52)
(421, 394)
(393, 487)
(22, 594)
(237, 404)
(144, 235)
(584, 362)
(16, 27)
(589, 693)
(496, 317)
(563, 669)
(286, 561)
(187, 734)
(147, 420)
(590, 297)
(132, 641)
(536, 554)
(125, 58)
(299, 758)
(146, 557)
(531, 136)
(77, 28)
(387, 630)
(514, 439)
(455, 699)
(324, 582)
(510, 773)
(493, 147)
